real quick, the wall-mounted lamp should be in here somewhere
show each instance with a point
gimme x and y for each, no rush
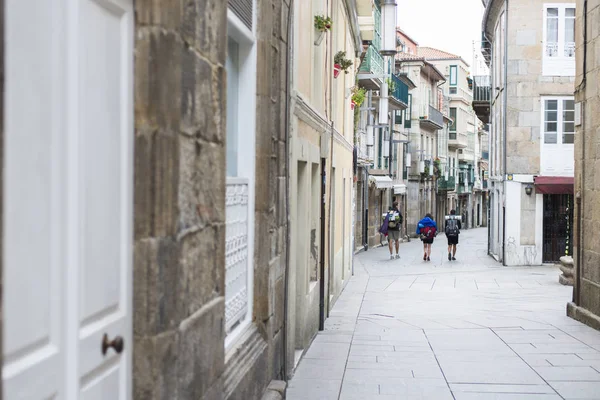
(528, 189)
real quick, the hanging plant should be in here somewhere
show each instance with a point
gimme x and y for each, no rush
(322, 23)
(341, 63)
(358, 97)
(437, 170)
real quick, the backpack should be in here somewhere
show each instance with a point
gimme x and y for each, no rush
(452, 227)
(393, 223)
(428, 232)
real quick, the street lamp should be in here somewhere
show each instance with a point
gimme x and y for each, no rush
(388, 21)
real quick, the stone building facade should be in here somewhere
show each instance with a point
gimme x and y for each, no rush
(585, 306)
(188, 198)
(320, 167)
(529, 47)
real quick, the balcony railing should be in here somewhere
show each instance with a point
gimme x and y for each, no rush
(432, 117)
(373, 62)
(236, 252)
(400, 90)
(482, 88)
(447, 184)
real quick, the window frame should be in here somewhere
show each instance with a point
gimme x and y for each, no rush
(245, 153)
(408, 115)
(453, 126)
(560, 120)
(560, 64)
(455, 81)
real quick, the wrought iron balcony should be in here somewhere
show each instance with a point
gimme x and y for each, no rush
(431, 117)
(482, 95)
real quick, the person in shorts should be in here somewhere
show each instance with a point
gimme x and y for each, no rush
(427, 229)
(394, 228)
(452, 229)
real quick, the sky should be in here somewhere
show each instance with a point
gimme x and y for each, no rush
(449, 25)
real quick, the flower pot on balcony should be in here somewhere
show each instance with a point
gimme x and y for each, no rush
(352, 104)
(337, 68)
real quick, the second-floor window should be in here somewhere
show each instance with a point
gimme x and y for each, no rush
(408, 113)
(453, 125)
(559, 35)
(559, 120)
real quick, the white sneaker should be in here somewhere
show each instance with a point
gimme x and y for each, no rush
(397, 256)
(391, 257)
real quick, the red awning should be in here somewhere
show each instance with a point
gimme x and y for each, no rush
(554, 184)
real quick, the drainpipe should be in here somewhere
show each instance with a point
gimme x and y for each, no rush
(322, 261)
(288, 81)
(580, 195)
(505, 107)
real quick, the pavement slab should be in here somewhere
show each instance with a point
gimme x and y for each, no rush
(459, 330)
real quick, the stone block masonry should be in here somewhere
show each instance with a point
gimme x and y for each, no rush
(179, 203)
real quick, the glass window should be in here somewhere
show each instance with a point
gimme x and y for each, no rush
(569, 32)
(453, 117)
(552, 32)
(559, 121)
(233, 73)
(568, 121)
(408, 113)
(453, 75)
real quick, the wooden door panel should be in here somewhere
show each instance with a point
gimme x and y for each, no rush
(105, 181)
(34, 187)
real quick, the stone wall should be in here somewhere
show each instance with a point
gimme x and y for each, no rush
(179, 199)
(271, 174)
(179, 221)
(587, 170)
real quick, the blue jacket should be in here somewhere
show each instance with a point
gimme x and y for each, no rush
(425, 222)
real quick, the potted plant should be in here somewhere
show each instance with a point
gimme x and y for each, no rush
(437, 168)
(341, 63)
(322, 25)
(358, 97)
(470, 81)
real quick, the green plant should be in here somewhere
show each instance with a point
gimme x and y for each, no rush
(323, 23)
(342, 61)
(391, 85)
(358, 96)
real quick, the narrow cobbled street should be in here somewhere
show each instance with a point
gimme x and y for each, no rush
(466, 329)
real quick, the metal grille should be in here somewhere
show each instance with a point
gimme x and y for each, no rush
(244, 9)
(236, 252)
(558, 220)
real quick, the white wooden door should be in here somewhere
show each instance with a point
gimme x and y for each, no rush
(68, 175)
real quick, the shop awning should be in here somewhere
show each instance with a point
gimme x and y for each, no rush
(400, 189)
(381, 182)
(554, 184)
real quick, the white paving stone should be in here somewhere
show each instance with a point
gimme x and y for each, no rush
(467, 329)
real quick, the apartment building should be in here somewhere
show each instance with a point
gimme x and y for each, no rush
(528, 101)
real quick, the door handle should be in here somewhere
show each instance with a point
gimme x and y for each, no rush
(117, 343)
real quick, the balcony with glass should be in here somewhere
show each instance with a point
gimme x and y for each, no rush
(372, 63)
(398, 94)
(482, 95)
(431, 117)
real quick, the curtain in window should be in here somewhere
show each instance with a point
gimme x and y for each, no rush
(552, 32)
(569, 32)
